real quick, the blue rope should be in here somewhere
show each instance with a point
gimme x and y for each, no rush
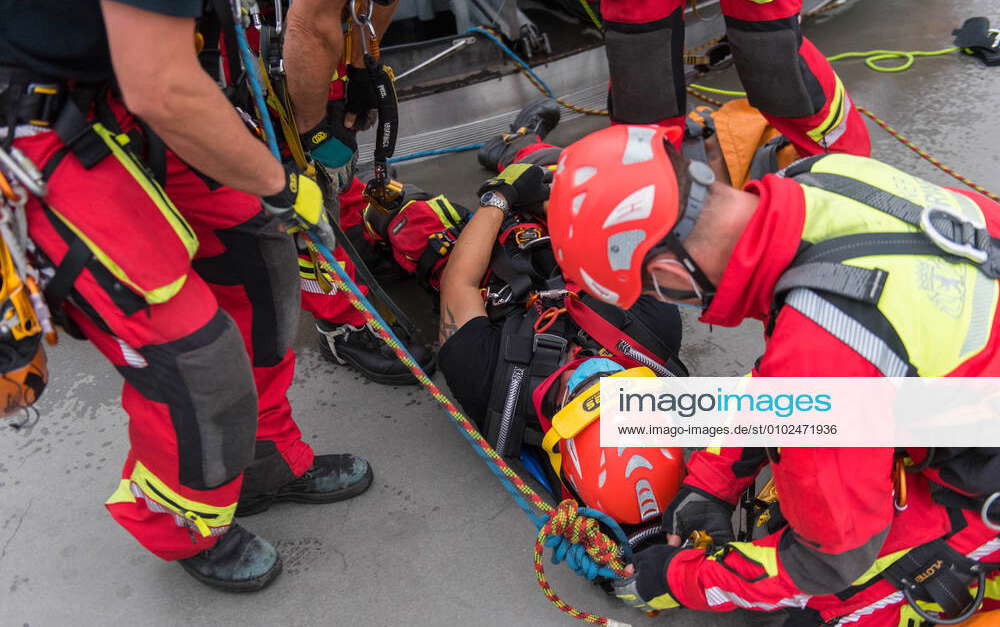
(431, 153)
(512, 55)
(256, 89)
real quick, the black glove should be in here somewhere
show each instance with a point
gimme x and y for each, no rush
(362, 100)
(647, 588)
(523, 186)
(694, 510)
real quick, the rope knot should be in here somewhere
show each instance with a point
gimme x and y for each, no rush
(576, 538)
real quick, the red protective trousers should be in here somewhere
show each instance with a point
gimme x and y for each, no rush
(785, 76)
(183, 293)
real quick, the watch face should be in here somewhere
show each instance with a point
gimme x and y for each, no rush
(493, 199)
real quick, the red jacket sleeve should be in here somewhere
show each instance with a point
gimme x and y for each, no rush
(838, 503)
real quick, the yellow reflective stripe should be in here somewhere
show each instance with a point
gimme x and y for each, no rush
(122, 494)
(765, 556)
(880, 564)
(835, 117)
(443, 209)
(156, 490)
(116, 144)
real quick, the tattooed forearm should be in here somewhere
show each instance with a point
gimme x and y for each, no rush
(448, 326)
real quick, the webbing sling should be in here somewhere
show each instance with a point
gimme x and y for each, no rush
(617, 341)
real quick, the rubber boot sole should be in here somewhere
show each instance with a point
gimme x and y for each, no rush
(399, 378)
(247, 585)
(264, 503)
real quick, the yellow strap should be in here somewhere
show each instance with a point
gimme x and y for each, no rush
(836, 115)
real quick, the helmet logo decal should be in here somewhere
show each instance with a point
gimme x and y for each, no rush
(635, 463)
(593, 403)
(573, 455)
(639, 147)
(601, 478)
(621, 246)
(598, 290)
(648, 507)
(577, 203)
(636, 206)
(582, 175)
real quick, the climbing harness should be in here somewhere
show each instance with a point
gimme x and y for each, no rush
(574, 533)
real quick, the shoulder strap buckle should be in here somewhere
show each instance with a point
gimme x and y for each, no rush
(968, 239)
(548, 341)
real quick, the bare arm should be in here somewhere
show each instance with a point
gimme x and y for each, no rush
(467, 265)
(314, 43)
(162, 82)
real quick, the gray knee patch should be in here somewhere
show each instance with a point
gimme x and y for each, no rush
(206, 381)
(647, 70)
(277, 250)
(776, 78)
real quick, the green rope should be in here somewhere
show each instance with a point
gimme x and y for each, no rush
(871, 57)
(908, 58)
(593, 16)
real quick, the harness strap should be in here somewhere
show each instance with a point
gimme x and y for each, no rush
(860, 284)
(765, 159)
(935, 572)
(693, 144)
(611, 338)
(78, 134)
(223, 13)
(950, 231)
(73, 263)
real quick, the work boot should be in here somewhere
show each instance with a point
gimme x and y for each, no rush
(332, 478)
(532, 124)
(239, 562)
(361, 349)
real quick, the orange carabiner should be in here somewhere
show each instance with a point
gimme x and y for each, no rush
(6, 189)
(899, 484)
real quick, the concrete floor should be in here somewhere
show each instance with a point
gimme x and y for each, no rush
(435, 541)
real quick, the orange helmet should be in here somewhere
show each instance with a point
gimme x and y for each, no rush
(633, 484)
(614, 199)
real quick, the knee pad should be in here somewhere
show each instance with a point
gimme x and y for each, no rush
(262, 258)
(646, 62)
(206, 381)
(777, 79)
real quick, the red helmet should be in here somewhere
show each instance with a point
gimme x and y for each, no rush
(614, 197)
(632, 485)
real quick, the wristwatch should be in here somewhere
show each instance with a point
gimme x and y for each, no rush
(493, 199)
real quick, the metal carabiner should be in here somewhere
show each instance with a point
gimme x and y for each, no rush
(364, 21)
(984, 512)
(959, 249)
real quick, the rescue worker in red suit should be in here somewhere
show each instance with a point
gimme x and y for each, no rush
(186, 285)
(670, 230)
(328, 114)
(785, 76)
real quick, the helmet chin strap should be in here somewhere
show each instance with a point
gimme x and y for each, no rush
(701, 177)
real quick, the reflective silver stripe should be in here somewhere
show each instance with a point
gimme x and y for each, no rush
(509, 407)
(847, 330)
(981, 317)
(716, 596)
